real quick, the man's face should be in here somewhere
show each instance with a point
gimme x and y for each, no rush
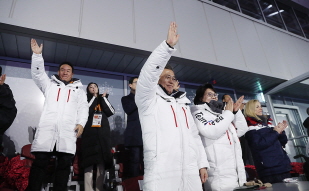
(65, 73)
(133, 85)
(227, 98)
(167, 80)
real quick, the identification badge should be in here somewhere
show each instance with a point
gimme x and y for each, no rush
(96, 121)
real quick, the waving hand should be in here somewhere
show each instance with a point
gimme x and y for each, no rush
(172, 36)
(35, 47)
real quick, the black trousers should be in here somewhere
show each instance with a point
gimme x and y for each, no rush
(38, 170)
(136, 164)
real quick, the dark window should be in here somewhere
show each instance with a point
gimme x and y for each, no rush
(232, 4)
(289, 19)
(304, 22)
(270, 12)
(251, 8)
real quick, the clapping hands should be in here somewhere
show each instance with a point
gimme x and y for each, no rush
(238, 103)
(281, 126)
(229, 105)
(234, 107)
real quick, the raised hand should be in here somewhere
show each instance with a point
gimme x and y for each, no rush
(104, 94)
(277, 128)
(238, 103)
(242, 106)
(2, 79)
(229, 105)
(172, 36)
(35, 47)
(285, 124)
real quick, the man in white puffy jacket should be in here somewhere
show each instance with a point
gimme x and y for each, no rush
(64, 115)
(173, 151)
(220, 130)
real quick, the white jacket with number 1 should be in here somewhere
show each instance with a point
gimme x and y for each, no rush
(220, 134)
(173, 150)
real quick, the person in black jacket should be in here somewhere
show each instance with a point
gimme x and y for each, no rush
(133, 133)
(266, 143)
(8, 109)
(96, 142)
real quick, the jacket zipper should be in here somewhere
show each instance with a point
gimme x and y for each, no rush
(186, 117)
(69, 95)
(58, 93)
(228, 136)
(174, 116)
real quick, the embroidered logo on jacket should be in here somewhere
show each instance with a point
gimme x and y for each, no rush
(199, 116)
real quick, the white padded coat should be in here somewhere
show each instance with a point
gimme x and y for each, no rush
(173, 150)
(65, 106)
(220, 134)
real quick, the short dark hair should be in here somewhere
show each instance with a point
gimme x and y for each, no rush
(132, 79)
(169, 67)
(200, 92)
(67, 63)
(223, 97)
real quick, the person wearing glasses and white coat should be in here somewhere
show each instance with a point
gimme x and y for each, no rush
(174, 156)
(220, 129)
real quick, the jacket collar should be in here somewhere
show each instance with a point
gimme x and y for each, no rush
(205, 106)
(131, 94)
(74, 83)
(179, 96)
(255, 124)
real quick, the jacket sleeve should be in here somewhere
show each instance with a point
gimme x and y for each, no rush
(202, 159)
(240, 123)
(38, 72)
(128, 105)
(82, 108)
(107, 107)
(212, 129)
(283, 138)
(149, 76)
(258, 141)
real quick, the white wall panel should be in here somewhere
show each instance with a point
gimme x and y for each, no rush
(108, 21)
(152, 19)
(288, 45)
(195, 38)
(251, 46)
(53, 16)
(225, 39)
(270, 44)
(5, 7)
(303, 51)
